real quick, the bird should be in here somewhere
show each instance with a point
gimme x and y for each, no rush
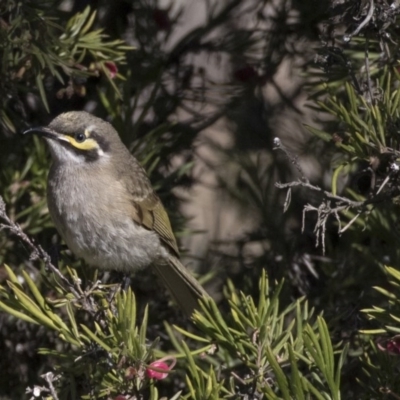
(104, 207)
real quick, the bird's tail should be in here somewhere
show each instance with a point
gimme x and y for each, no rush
(184, 288)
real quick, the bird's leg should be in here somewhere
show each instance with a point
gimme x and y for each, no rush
(126, 282)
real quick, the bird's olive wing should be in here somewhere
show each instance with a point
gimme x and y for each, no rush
(148, 209)
(152, 215)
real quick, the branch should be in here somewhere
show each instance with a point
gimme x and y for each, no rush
(331, 204)
(328, 195)
(37, 252)
(278, 145)
(326, 209)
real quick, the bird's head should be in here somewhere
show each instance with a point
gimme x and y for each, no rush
(78, 136)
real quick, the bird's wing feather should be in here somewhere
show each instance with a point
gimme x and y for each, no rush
(148, 209)
(152, 215)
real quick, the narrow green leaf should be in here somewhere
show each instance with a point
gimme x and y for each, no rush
(393, 329)
(339, 366)
(173, 338)
(295, 381)
(89, 22)
(393, 271)
(190, 387)
(20, 315)
(327, 137)
(95, 338)
(191, 335)
(327, 349)
(43, 304)
(372, 331)
(209, 384)
(312, 345)
(40, 86)
(143, 328)
(177, 396)
(32, 308)
(351, 95)
(263, 289)
(335, 177)
(13, 278)
(317, 393)
(192, 365)
(78, 20)
(279, 374)
(72, 319)
(35, 291)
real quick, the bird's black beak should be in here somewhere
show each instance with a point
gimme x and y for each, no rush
(41, 130)
(46, 132)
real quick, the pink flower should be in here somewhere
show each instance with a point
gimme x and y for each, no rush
(159, 369)
(391, 346)
(112, 69)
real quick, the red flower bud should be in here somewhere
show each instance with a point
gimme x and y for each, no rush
(161, 366)
(391, 346)
(112, 68)
(152, 374)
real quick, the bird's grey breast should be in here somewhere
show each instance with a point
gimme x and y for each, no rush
(91, 209)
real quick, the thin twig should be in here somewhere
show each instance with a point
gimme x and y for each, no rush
(329, 195)
(278, 145)
(287, 200)
(366, 19)
(350, 223)
(384, 183)
(326, 208)
(37, 252)
(49, 378)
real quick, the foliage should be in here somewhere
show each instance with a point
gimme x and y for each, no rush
(256, 343)
(32, 47)
(109, 355)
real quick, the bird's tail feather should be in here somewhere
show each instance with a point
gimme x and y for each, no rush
(184, 288)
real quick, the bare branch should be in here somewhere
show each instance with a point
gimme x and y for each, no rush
(278, 145)
(331, 205)
(328, 195)
(363, 23)
(50, 378)
(350, 223)
(37, 252)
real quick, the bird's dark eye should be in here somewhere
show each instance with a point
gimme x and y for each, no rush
(80, 137)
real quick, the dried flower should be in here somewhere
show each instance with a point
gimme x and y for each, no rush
(130, 372)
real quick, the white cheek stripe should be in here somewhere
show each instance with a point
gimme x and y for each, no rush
(90, 128)
(74, 157)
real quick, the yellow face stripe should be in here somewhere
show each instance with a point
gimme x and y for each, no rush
(88, 144)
